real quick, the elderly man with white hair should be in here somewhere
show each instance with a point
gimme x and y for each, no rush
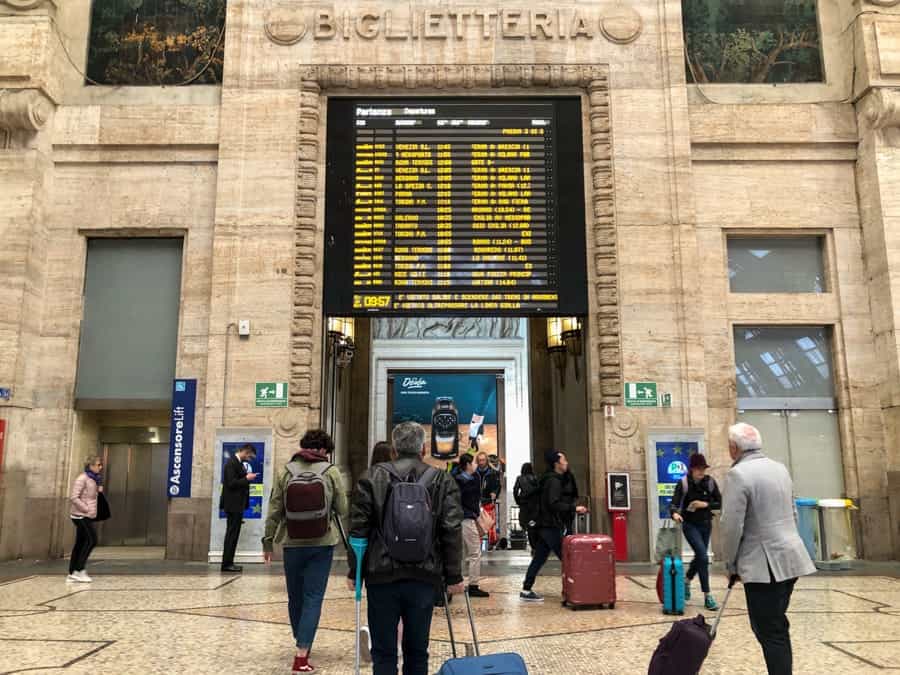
(761, 544)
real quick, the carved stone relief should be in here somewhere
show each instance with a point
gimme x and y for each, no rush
(448, 327)
(26, 4)
(604, 324)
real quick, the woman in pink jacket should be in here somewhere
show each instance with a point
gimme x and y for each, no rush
(83, 511)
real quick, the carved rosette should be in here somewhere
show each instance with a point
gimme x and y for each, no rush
(590, 77)
(304, 313)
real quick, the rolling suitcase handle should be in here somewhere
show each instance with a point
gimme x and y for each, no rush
(715, 625)
(471, 624)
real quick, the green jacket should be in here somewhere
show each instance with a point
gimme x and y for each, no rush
(276, 528)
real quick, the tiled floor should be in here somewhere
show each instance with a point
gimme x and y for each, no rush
(195, 621)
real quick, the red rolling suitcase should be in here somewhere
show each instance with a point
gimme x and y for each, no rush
(588, 571)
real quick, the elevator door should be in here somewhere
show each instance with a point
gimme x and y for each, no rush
(135, 485)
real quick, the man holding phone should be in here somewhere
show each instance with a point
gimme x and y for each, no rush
(234, 501)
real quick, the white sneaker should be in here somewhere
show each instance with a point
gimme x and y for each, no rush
(83, 576)
(72, 578)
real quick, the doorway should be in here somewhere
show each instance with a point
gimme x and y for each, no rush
(135, 463)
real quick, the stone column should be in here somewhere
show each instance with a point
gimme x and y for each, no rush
(878, 458)
(38, 413)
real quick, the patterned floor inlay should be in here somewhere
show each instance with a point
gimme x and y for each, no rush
(209, 624)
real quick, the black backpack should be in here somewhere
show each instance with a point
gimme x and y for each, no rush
(408, 524)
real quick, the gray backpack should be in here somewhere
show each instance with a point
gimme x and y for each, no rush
(408, 525)
(307, 501)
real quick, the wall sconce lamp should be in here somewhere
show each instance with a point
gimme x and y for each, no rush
(564, 338)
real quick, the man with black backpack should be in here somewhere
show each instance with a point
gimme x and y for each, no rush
(410, 513)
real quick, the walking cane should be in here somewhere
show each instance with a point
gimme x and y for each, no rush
(359, 546)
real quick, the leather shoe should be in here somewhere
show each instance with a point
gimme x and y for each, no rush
(232, 568)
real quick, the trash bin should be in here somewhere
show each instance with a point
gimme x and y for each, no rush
(808, 526)
(838, 540)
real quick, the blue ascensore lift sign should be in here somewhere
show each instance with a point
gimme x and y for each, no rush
(181, 438)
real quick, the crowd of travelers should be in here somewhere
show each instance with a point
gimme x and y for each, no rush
(425, 528)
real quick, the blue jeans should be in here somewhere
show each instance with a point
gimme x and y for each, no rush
(306, 570)
(698, 535)
(412, 601)
(549, 539)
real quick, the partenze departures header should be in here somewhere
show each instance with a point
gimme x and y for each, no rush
(620, 24)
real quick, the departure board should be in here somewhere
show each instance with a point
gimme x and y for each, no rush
(451, 206)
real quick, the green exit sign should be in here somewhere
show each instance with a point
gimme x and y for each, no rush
(271, 395)
(641, 395)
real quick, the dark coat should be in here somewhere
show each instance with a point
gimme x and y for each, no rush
(490, 483)
(443, 564)
(469, 494)
(705, 491)
(559, 497)
(527, 493)
(235, 487)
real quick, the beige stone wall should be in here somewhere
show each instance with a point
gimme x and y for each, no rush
(239, 171)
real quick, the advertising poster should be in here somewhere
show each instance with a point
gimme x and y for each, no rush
(458, 410)
(671, 466)
(255, 465)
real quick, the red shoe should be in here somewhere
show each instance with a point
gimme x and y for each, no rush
(302, 665)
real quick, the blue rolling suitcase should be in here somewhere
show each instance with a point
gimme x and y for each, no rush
(490, 664)
(673, 585)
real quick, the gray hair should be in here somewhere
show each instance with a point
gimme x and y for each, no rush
(408, 437)
(745, 437)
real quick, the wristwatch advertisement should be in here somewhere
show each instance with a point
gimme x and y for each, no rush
(444, 428)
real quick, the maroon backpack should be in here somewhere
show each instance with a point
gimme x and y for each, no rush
(307, 501)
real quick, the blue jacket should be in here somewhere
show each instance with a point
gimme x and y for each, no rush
(470, 494)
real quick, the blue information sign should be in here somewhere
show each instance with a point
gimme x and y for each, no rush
(671, 466)
(255, 465)
(181, 438)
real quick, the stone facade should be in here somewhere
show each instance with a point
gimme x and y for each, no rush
(238, 170)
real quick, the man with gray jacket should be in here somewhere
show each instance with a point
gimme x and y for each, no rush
(761, 543)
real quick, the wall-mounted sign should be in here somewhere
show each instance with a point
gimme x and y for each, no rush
(271, 395)
(181, 438)
(618, 492)
(641, 395)
(5, 394)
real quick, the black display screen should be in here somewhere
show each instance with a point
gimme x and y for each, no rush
(455, 206)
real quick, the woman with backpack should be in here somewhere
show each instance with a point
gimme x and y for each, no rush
(527, 493)
(305, 497)
(696, 497)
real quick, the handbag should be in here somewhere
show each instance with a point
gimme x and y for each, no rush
(103, 512)
(668, 541)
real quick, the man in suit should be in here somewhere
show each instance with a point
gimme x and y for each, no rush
(761, 544)
(234, 501)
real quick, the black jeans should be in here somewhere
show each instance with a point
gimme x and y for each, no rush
(698, 535)
(85, 540)
(767, 605)
(232, 534)
(412, 601)
(549, 539)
